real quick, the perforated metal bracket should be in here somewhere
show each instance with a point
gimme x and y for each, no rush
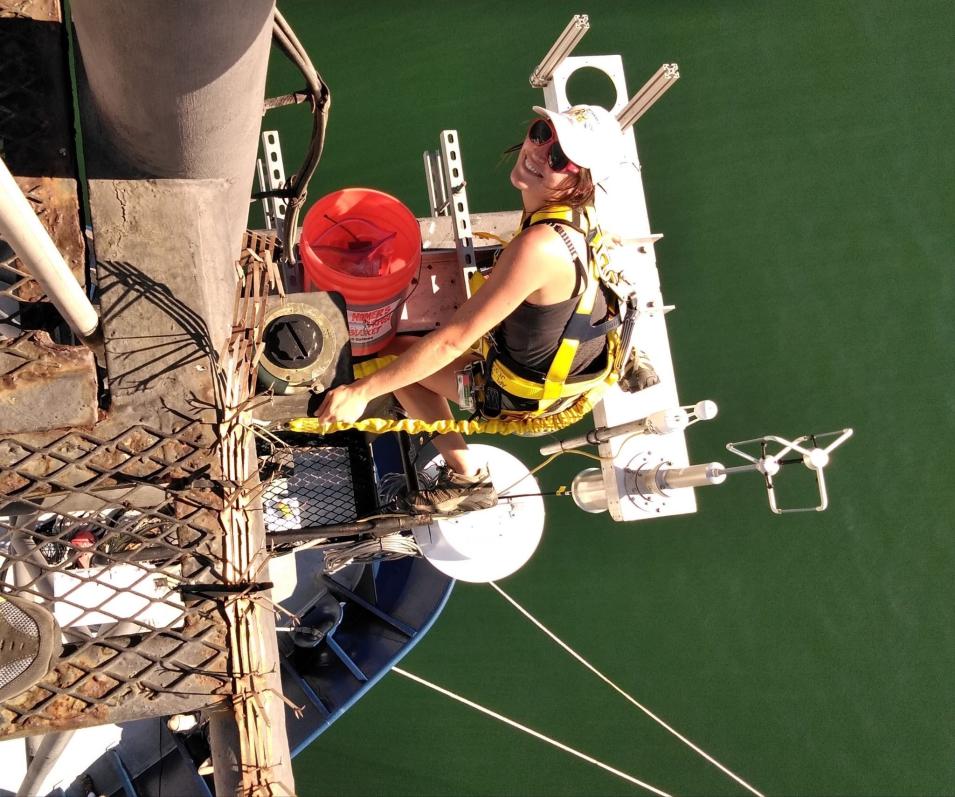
(434, 177)
(271, 174)
(447, 194)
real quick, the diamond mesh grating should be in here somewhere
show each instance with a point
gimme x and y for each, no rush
(83, 534)
(308, 487)
(313, 480)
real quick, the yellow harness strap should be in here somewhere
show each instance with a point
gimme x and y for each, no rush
(556, 384)
(533, 426)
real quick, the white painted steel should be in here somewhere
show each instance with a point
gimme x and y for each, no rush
(622, 211)
(82, 749)
(437, 185)
(456, 192)
(20, 227)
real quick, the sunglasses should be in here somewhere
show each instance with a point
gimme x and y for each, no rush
(540, 132)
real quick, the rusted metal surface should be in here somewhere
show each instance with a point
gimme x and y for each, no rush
(110, 454)
(36, 138)
(73, 538)
(437, 232)
(124, 577)
(159, 652)
(44, 385)
(436, 293)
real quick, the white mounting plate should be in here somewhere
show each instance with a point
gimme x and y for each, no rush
(622, 211)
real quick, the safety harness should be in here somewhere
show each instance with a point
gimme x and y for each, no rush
(512, 389)
(514, 399)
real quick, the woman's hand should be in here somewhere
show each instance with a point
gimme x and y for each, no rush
(344, 404)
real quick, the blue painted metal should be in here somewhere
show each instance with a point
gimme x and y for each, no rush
(340, 589)
(345, 659)
(199, 787)
(307, 690)
(125, 780)
(376, 677)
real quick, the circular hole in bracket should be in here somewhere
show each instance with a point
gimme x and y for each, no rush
(591, 86)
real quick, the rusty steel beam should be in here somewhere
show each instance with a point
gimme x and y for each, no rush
(44, 385)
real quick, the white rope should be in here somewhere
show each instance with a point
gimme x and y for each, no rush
(530, 731)
(610, 683)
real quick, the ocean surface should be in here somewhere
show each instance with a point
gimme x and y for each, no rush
(802, 174)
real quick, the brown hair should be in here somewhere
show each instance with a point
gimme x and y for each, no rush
(576, 189)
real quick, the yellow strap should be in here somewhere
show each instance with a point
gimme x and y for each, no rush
(519, 426)
(560, 366)
(476, 281)
(368, 367)
(534, 391)
(554, 385)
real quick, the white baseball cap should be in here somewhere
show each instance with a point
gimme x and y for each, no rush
(590, 136)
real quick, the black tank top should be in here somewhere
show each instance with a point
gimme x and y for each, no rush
(531, 334)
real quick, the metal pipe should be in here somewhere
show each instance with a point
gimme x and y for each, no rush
(566, 42)
(649, 93)
(378, 527)
(47, 753)
(30, 568)
(225, 744)
(662, 422)
(692, 476)
(20, 227)
(32, 744)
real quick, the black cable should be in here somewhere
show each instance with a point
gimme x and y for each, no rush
(297, 184)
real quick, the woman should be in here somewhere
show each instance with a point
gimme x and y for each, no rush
(531, 294)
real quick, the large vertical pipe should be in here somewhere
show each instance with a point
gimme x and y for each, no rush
(20, 228)
(224, 736)
(175, 89)
(172, 89)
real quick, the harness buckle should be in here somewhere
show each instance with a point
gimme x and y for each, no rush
(466, 388)
(491, 400)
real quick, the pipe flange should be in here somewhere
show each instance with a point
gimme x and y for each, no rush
(640, 479)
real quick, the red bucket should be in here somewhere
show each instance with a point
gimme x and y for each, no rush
(366, 245)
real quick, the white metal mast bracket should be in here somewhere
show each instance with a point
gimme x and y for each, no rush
(447, 194)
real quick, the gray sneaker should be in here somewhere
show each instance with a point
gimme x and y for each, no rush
(453, 492)
(29, 644)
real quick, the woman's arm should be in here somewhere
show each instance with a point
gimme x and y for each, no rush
(523, 267)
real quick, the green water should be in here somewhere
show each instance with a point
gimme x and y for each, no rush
(802, 174)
